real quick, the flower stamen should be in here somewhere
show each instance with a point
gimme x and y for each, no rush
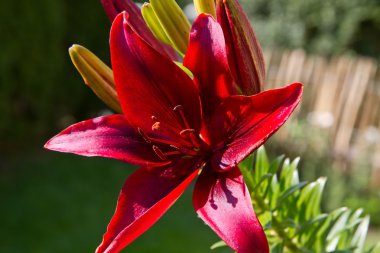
(179, 109)
(159, 152)
(143, 135)
(163, 155)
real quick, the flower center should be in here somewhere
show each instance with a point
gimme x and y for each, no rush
(188, 143)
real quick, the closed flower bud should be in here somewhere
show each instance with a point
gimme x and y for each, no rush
(205, 6)
(245, 55)
(174, 22)
(153, 23)
(96, 74)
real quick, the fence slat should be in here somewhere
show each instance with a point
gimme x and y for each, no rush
(342, 95)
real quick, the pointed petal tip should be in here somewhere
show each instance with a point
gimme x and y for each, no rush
(251, 120)
(223, 202)
(47, 145)
(298, 87)
(51, 144)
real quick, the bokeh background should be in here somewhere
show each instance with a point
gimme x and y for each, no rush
(54, 202)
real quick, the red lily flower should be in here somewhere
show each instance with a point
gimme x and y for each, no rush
(177, 128)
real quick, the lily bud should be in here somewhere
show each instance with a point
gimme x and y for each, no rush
(153, 23)
(205, 6)
(114, 7)
(245, 55)
(174, 22)
(96, 74)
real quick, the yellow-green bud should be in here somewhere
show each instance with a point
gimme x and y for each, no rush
(153, 23)
(174, 22)
(96, 74)
(205, 6)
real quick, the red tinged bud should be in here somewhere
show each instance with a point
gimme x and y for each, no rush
(136, 21)
(245, 56)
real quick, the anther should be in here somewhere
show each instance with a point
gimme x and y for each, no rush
(154, 118)
(175, 147)
(159, 152)
(187, 131)
(143, 135)
(191, 135)
(156, 126)
(179, 108)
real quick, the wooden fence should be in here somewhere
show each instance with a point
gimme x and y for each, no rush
(341, 96)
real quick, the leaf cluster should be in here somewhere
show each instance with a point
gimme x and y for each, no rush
(290, 210)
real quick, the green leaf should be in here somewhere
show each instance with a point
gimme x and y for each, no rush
(277, 248)
(265, 178)
(338, 228)
(261, 164)
(289, 192)
(246, 170)
(275, 164)
(289, 174)
(218, 245)
(358, 240)
(307, 225)
(309, 201)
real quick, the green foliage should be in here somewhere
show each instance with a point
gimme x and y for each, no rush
(40, 90)
(327, 27)
(290, 210)
(314, 146)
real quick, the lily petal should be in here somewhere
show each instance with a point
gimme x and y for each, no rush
(114, 7)
(206, 58)
(222, 200)
(245, 55)
(109, 136)
(150, 85)
(145, 197)
(245, 123)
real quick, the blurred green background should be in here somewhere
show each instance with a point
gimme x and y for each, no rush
(62, 203)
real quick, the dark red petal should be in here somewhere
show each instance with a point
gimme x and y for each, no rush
(109, 136)
(245, 55)
(245, 123)
(149, 84)
(223, 201)
(206, 57)
(114, 7)
(146, 196)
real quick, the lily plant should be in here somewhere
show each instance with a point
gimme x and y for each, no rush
(180, 122)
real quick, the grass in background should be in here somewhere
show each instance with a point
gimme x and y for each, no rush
(62, 203)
